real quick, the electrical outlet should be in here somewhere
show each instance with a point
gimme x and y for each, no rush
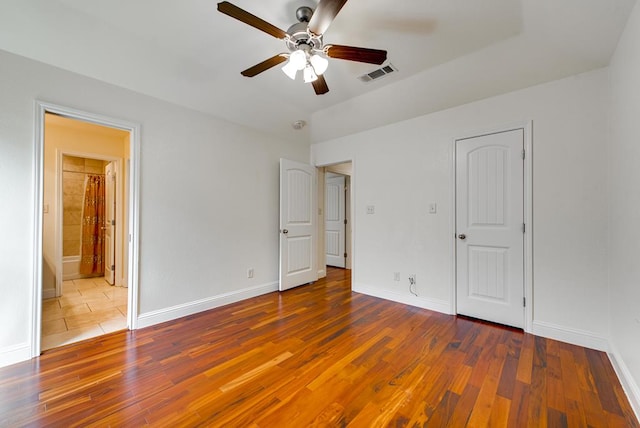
(371, 209)
(433, 208)
(250, 273)
(396, 276)
(412, 279)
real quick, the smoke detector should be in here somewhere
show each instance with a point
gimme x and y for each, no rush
(298, 124)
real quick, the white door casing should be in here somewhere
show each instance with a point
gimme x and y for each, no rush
(335, 217)
(133, 194)
(490, 227)
(298, 204)
(110, 222)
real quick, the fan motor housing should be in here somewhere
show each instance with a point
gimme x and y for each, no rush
(298, 33)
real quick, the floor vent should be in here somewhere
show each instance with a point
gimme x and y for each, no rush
(377, 74)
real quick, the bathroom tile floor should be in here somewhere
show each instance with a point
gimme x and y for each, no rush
(88, 307)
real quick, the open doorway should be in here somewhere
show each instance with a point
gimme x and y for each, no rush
(335, 219)
(86, 282)
(336, 249)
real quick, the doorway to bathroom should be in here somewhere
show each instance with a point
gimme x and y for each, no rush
(85, 230)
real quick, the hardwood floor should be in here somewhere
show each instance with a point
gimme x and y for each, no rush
(317, 355)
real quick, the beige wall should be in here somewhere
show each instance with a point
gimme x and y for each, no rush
(86, 145)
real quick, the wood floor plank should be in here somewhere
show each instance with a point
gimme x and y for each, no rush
(525, 362)
(555, 385)
(499, 412)
(599, 369)
(464, 407)
(487, 395)
(508, 377)
(519, 407)
(318, 355)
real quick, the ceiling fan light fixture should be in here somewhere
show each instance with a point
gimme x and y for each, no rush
(298, 59)
(304, 42)
(290, 70)
(319, 64)
(309, 75)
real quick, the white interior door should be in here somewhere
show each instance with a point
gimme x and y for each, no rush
(298, 202)
(489, 227)
(110, 223)
(335, 219)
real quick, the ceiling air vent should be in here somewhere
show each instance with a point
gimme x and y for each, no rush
(377, 74)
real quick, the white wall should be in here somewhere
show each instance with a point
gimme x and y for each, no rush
(624, 206)
(401, 168)
(208, 208)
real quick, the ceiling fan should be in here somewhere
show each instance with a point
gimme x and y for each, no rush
(304, 42)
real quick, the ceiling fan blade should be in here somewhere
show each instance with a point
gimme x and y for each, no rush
(264, 65)
(324, 15)
(249, 19)
(320, 85)
(351, 53)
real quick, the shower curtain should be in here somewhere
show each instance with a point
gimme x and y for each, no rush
(92, 252)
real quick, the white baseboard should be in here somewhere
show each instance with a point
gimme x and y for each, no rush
(14, 354)
(436, 305)
(178, 311)
(629, 385)
(48, 293)
(570, 335)
(322, 273)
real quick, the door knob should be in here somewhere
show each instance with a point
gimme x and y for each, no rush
(462, 236)
(285, 231)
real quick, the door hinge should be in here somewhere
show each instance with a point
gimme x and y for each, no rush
(523, 154)
(113, 222)
(345, 221)
(524, 302)
(113, 267)
(345, 255)
(523, 227)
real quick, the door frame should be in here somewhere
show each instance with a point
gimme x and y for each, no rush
(42, 107)
(59, 213)
(527, 127)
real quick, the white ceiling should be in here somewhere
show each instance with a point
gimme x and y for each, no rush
(187, 53)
